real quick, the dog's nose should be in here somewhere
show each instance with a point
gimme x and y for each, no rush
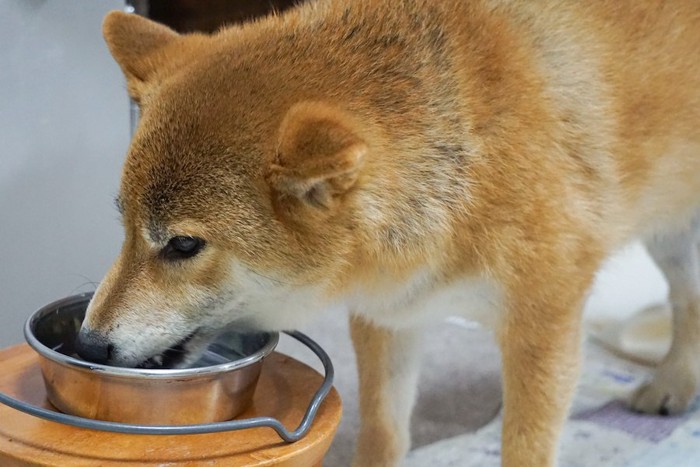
(93, 347)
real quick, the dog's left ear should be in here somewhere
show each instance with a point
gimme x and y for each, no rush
(140, 47)
(320, 155)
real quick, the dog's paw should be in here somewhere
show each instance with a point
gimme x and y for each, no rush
(669, 393)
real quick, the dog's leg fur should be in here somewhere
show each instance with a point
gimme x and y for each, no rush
(539, 375)
(388, 363)
(676, 380)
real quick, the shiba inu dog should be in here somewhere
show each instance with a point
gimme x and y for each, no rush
(405, 160)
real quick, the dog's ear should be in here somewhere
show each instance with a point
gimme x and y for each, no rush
(138, 45)
(320, 155)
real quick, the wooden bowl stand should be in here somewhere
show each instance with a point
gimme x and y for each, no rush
(284, 391)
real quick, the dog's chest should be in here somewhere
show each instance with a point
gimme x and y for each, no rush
(420, 301)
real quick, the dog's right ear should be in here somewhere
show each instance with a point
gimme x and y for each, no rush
(139, 46)
(319, 158)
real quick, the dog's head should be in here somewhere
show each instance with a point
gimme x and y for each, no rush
(236, 197)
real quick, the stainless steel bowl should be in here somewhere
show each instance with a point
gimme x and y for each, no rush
(216, 388)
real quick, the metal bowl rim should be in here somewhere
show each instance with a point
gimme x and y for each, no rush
(138, 373)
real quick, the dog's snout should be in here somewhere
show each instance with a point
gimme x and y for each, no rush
(93, 346)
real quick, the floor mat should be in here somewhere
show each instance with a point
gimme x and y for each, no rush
(600, 432)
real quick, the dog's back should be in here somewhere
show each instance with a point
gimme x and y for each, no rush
(599, 100)
(606, 92)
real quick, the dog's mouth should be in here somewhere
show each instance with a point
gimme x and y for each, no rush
(170, 358)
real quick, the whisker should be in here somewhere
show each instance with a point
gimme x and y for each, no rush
(88, 282)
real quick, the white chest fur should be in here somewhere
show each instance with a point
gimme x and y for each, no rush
(421, 301)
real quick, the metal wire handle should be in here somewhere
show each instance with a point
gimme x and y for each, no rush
(232, 425)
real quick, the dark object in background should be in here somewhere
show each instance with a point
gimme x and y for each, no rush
(206, 15)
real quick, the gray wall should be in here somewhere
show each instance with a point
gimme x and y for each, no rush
(64, 129)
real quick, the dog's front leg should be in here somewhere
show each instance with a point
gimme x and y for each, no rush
(540, 344)
(388, 363)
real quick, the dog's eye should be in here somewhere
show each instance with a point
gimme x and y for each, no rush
(182, 247)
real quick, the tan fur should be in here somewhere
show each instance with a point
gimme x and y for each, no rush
(389, 149)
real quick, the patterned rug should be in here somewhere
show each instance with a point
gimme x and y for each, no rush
(600, 432)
